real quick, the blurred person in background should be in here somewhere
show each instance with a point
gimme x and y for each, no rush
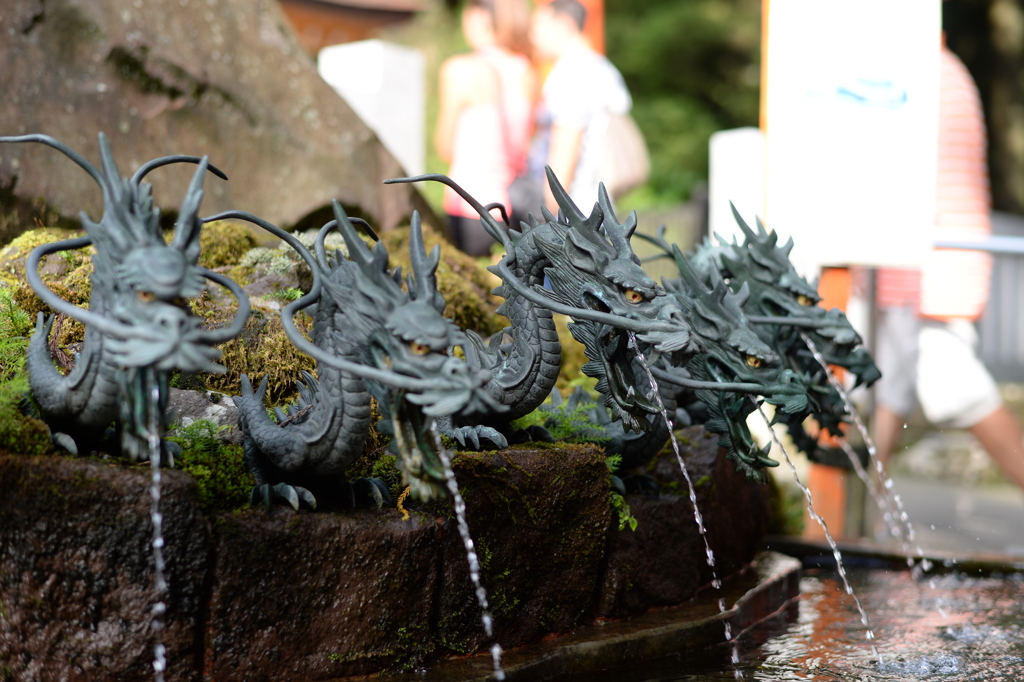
(485, 118)
(927, 341)
(578, 95)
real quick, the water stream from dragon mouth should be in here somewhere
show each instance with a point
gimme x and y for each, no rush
(888, 501)
(840, 567)
(159, 579)
(467, 541)
(716, 582)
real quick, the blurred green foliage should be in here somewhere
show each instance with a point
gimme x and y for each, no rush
(692, 67)
(223, 480)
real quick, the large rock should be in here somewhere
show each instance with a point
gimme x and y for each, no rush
(318, 596)
(225, 78)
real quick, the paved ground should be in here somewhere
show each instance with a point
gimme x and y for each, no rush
(964, 519)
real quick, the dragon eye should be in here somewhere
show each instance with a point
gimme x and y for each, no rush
(419, 348)
(634, 296)
(804, 301)
(753, 361)
(145, 296)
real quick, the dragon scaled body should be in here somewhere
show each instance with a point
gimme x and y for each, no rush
(138, 326)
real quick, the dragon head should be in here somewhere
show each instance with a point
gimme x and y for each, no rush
(401, 333)
(784, 306)
(783, 301)
(727, 351)
(617, 310)
(140, 282)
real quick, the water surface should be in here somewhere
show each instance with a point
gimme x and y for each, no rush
(966, 628)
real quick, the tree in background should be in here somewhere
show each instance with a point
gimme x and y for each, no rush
(692, 67)
(988, 35)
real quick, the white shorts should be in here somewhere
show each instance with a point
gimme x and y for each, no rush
(935, 363)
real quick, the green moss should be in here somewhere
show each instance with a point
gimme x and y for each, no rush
(223, 243)
(262, 349)
(411, 647)
(19, 433)
(14, 321)
(219, 468)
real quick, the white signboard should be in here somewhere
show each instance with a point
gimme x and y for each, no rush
(852, 128)
(384, 85)
(736, 177)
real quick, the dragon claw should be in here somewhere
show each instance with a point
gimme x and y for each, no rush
(293, 495)
(642, 484)
(477, 435)
(65, 441)
(373, 488)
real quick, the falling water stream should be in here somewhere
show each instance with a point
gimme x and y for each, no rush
(716, 582)
(159, 580)
(840, 568)
(888, 498)
(471, 556)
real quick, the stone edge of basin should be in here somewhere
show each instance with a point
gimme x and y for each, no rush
(867, 553)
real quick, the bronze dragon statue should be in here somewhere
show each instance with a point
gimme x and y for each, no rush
(784, 309)
(370, 337)
(138, 326)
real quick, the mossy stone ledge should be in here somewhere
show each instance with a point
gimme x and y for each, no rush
(319, 596)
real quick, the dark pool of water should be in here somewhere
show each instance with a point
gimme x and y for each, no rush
(966, 628)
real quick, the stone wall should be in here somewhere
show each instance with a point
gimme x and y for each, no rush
(315, 596)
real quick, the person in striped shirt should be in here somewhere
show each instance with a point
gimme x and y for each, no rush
(927, 341)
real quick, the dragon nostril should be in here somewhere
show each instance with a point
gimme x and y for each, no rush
(171, 319)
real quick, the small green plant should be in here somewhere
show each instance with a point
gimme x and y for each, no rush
(219, 468)
(386, 469)
(564, 424)
(622, 511)
(287, 294)
(14, 321)
(618, 502)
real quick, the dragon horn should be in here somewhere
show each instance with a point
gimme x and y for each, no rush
(150, 166)
(422, 281)
(787, 248)
(186, 227)
(63, 149)
(749, 233)
(356, 246)
(110, 171)
(606, 202)
(562, 197)
(490, 224)
(772, 237)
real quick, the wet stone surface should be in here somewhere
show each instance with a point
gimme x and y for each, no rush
(315, 596)
(76, 570)
(663, 561)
